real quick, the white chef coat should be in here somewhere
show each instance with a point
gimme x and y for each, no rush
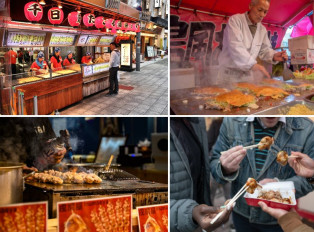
(240, 49)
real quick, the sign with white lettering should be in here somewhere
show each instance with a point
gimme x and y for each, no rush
(105, 40)
(61, 40)
(24, 39)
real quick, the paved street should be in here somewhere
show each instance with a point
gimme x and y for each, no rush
(149, 96)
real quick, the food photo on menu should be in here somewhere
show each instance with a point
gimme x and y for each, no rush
(56, 56)
(83, 174)
(241, 58)
(241, 174)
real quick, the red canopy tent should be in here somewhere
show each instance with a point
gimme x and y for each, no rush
(282, 13)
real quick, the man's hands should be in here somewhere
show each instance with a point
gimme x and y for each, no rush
(204, 214)
(276, 213)
(230, 160)
(280, 56)
(302, 164)
(267, 180)
(260, 68)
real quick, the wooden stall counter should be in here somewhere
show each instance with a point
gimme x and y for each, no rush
(52, 94)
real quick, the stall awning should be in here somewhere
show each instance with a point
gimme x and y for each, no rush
(304, 27)
(281, 13)
(160, 21)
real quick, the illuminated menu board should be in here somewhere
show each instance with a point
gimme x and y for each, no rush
(105, 40)
(97, 68)
(92, 40)
(126, 54)
(24, 39)
(62, 40)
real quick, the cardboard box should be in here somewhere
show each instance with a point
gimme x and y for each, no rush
(302, 42)
(302, 56)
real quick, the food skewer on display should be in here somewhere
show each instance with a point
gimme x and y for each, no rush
(109, 163)
(250, 186)
(265, 143)
(282, 158)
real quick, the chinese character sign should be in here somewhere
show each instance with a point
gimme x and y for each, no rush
(198, 38)
(102, 214)
(33, 11)
(74, 19)
(55, 15)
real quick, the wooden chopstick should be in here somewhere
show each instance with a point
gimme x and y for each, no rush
(239, 193)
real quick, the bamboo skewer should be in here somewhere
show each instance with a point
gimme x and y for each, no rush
(109, 163)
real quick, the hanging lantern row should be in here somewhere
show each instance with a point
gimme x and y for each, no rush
(34, 13)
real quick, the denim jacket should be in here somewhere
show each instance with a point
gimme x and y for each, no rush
(181, 182)
(296, 135)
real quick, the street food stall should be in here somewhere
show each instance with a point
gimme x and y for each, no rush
(196, 43)
(54, 192)
(25, 92)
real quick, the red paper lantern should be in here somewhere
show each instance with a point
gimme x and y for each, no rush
(74, 19)
(118, 24)
(111, 23)
(100, 22)
(137, 27)
(130, 27)
(55, 15)
(124, 26)
(89, 19)
(33, 11)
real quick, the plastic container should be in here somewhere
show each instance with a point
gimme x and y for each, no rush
(286, 189)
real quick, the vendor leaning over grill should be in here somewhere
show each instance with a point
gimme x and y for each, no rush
(236, 164)
(245, 39)
(32, 141)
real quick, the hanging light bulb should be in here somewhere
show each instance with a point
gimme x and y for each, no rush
(79, 10)
(42, 2)
(59, 5)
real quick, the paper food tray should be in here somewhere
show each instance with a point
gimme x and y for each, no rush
(286, 189)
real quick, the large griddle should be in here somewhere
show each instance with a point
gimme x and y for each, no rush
(180, 106)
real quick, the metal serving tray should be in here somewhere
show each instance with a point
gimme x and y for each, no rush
(283, 109)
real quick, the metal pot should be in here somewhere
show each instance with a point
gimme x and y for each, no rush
(11, 183)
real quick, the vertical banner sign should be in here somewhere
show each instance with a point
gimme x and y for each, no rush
(126, 54)
(100, 214)
(147, 4)
(153, 218)
(24, 217)
(157, 3)
(197, 38)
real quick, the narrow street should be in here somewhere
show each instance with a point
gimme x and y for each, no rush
(141, 93)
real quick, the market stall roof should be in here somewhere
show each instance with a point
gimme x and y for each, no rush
(281, 13)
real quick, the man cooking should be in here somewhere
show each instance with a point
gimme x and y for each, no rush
(245, 39)
(232, 163)
(31, 141)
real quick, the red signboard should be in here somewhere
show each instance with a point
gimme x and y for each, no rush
(55, 15)
(33, 11)
(74, 19)
(89, 19)
(24, 217)
(101, 214)
(153, 218)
